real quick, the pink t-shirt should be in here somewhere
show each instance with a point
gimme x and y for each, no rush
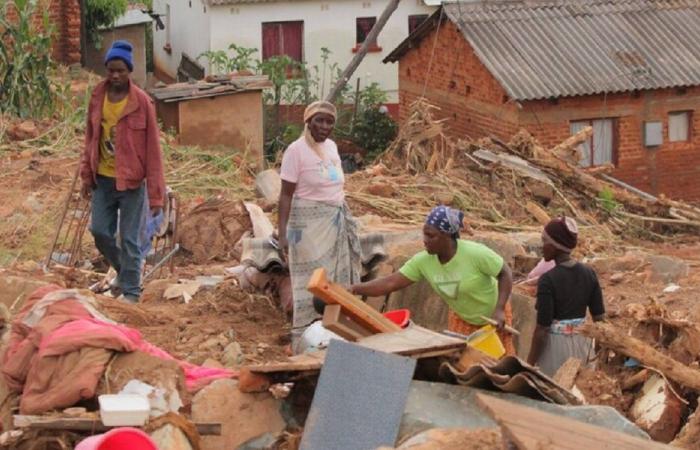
(316, 180)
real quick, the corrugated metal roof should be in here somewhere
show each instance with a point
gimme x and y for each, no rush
(558, 48)
(238, 2)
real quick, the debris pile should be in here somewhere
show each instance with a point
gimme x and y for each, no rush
(506, 186)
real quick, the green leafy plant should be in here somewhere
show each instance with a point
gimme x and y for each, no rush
(606, 197)
(222, 62)
(100, 14)
(26, 86)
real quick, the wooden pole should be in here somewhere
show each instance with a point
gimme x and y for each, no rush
(359, 56)
(608, 336)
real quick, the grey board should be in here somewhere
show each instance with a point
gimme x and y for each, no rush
(359, 399)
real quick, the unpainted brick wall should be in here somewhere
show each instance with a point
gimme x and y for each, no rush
(452, 77)
(65, 15)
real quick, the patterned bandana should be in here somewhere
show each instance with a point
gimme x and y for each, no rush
(446, 219)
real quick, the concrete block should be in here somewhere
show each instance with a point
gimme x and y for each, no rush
(658, 411)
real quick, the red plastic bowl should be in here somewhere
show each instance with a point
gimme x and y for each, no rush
(400, 317)
(119, 439)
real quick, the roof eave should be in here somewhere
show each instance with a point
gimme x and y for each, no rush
(414, 38)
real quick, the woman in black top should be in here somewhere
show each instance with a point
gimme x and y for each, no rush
(563, 296)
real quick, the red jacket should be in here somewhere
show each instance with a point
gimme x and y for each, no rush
(138, 156)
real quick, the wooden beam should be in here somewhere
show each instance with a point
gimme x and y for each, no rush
(532, 429)
(90, 424)
(356, 309)
(371, 39)
(608, 336)
(566, 375)
(335, 321)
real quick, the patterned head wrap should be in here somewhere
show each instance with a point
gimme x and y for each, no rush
(562, 233)
(445, 219)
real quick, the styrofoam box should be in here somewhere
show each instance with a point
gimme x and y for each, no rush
(124, 410)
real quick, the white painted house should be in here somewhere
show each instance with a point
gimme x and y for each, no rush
(298, 28)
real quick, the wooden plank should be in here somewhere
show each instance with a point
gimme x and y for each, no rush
(90, 424)
(412, 341)
(566, 375)
(359, 311)
(299, 363)
(608, 336)
(335, 321)
(531, 429)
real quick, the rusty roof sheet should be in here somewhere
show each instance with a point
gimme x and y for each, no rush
(223, 85)
(547, 49)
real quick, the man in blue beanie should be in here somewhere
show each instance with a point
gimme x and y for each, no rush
(122, 167)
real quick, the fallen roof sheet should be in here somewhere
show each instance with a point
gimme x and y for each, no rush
(559, 48)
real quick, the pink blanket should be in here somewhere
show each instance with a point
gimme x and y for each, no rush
(59, 360)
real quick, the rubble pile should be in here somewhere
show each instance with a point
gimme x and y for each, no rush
(506, 186)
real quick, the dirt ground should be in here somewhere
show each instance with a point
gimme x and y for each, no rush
(214, 318)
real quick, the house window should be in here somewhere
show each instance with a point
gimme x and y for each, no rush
(283, 38)
(414, 21)
(600, 148)
(679, 126)
(363, 25)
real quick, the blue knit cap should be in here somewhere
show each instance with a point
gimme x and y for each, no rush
(121, 50)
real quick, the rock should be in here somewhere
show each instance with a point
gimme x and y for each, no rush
(542, 192)
(503, 244)
(212, 363)
(242, 416)
(381, 189)
(455, 439)
(170, 437)
(658, 411)
(666, 269)
(214, 343)
(23, 131)
(268, 185)
(32, 204)
(630, 262)
(531, 241)
(617, 277)
(250, 382)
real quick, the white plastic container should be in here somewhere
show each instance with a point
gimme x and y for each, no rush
(124, 410)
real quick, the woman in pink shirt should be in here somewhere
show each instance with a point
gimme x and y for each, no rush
(316, 228)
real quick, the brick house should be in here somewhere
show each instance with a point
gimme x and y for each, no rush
(630, 69)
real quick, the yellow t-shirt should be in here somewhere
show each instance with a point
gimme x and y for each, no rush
(110, 116)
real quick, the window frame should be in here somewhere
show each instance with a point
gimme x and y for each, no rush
(614, 124)
(281, 24)
(413, 23)
(689, 125)
(372, 48)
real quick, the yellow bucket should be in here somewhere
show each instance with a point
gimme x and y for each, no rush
(487, 341)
